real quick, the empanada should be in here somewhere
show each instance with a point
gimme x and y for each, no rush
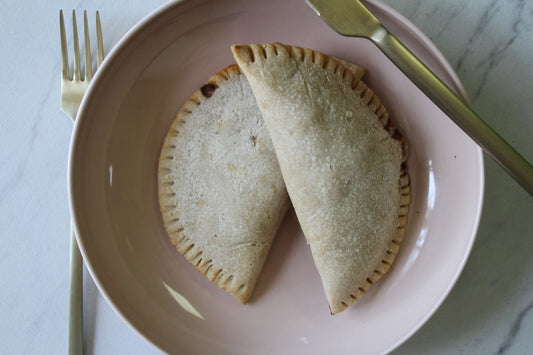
(221, 192)
(341, 160)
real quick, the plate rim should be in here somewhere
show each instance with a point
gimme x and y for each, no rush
(143, 25)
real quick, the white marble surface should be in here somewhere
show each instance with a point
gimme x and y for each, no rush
(490, 310)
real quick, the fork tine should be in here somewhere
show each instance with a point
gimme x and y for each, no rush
(64, 55)
(100, 44)
(77, 75)
(88, 64)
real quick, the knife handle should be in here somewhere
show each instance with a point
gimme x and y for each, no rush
(493, 144)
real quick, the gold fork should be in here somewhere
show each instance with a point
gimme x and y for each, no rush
(72, 91)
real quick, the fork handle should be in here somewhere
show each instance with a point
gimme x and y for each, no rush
(75, 343)
(493, 144)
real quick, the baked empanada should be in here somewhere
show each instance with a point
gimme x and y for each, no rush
(221, 192)
(341, 160)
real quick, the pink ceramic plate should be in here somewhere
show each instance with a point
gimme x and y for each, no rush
(122, 122)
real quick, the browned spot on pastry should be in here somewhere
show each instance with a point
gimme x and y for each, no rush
(228, 280)
(262, 51)
(325, 61)
(382, 114)
(217, 275)
(254, 140)
(172, 221)
(396, 135)
(208, 90)
(178, 231)
(356, 85)
(220, 276)
(251, 53)
(188, 249)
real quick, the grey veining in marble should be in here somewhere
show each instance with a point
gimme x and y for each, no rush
(490, 45)
(489, 311)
